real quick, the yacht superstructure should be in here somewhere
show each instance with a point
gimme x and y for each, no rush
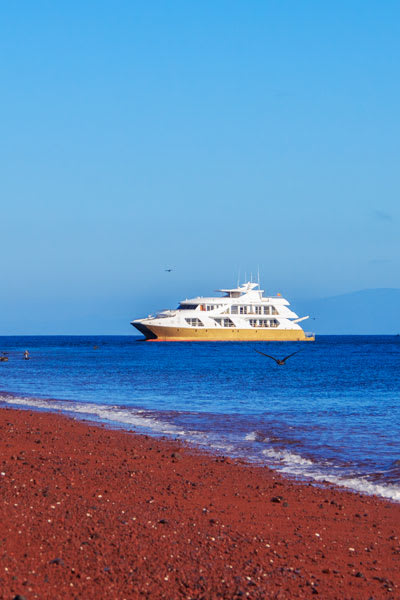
(241, 314)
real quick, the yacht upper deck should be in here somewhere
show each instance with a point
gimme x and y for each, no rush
(247, 292)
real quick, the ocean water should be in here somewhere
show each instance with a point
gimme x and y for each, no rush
(332, 413)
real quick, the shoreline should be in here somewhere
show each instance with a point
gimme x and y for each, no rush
(89, 511)
(348, 483)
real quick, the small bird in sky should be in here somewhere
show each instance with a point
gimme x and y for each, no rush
(168, 270)
(279, 361)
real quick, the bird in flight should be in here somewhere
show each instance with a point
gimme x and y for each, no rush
(168, 270)
(279, 361)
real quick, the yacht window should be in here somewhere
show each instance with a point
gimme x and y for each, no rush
(194, 322)
(243, 310)
(267, 310)
(187, 307)
(274, 311)
(262, 323)
(234, 309)
(257, 310)
(224, 322)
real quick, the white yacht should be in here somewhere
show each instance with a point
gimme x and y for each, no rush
(241, 314)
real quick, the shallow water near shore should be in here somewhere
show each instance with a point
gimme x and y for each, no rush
(331, 413)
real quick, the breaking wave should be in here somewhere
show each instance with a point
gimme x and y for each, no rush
(99, 412)
(296, 465)
(284, 456)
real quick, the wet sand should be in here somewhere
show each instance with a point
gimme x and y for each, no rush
(88, 512)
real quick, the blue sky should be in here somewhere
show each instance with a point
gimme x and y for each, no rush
(209, 137)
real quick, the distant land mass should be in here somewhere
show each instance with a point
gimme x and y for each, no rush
(366, 312)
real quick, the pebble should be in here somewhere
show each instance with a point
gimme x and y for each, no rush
(57, 561)
(273, 550)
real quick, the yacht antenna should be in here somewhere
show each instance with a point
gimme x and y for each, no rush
(258, 275)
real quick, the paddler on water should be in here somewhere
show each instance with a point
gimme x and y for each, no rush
(26, 355)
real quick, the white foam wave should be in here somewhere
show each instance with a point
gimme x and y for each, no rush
(286, 457)
(356, 483)
(221, 447)
(297, 465)
(255, 436)
(114, 414)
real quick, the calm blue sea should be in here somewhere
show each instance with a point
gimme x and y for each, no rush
(331, 413)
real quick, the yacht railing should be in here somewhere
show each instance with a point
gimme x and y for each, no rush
(163, 314)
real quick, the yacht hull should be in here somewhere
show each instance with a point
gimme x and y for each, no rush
(159, 333)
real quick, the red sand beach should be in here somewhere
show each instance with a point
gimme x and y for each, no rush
(88, 512)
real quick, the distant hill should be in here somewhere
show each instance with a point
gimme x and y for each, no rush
(367, 312)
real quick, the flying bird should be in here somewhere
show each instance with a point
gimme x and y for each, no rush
(168, 270)
(279, 361)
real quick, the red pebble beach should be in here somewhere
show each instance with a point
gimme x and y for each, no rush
(89, 512)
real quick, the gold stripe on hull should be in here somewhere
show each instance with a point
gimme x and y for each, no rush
(186, 334)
